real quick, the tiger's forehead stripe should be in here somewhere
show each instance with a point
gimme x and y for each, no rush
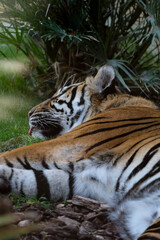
(66, 89)
(61, 93)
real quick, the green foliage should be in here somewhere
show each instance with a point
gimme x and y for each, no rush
(16, 142)
(19, 200)
(16, 101)
(69, 39)
(13, 116)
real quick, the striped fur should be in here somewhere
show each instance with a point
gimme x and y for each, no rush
(153, 232)
(113, 156)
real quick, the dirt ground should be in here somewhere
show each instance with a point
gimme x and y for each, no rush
(78, 218)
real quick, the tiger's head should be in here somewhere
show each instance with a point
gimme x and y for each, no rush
(72, 105)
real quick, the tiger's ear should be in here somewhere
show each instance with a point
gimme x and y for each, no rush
(102, 80)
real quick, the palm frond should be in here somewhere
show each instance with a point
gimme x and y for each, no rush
(81, 35)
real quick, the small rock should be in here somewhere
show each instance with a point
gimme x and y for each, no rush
(19, 216)
(104, 207)
(35, 216)
(60, 205)
(24, 223)
(69, 221)
(98, 237)
(86, 228)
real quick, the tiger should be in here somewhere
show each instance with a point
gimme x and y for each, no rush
(152, 232)
(105, 145)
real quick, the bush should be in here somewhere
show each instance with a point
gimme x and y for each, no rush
(65, 40)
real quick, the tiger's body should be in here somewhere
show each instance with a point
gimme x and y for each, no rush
(112, 154)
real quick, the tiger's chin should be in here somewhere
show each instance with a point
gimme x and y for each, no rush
(47, 133)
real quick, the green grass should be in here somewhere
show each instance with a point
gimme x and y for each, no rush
(19, 200)
(13, 115)
(16, 99)
(10, 52)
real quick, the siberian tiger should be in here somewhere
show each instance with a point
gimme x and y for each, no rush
(109, 150)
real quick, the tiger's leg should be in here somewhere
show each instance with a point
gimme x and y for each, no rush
(37, 156)
(53, 184)
(152, 232)
(85, 178)
(42, 155)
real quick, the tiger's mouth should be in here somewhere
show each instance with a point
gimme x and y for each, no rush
(47, 132)
(30, 131)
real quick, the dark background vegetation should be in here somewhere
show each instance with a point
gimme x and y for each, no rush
(65, 40)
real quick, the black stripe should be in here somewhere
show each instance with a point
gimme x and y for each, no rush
(148, 156)
(130, 160)
(151, 185)
(97, 118)
(12, 172)
(20, 161)
(112, 128)
(60, 94)
(25, 164)
(69, 104)
(55, 164)
(81, 102)
(118, 144)
(43, 188)
(8, 163)
(155, 169)
(148, 137)
(116, 160)
(57, 110)
(44, 164)
(122, 120)
(60, 102)
(83, 125)
(45, 110)
(21, 190)
(154, 225)
(71, 179)
(149, 237)
(119, 136)
(100, 118)
(39, 115)
(75, 118)
(80, 159)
